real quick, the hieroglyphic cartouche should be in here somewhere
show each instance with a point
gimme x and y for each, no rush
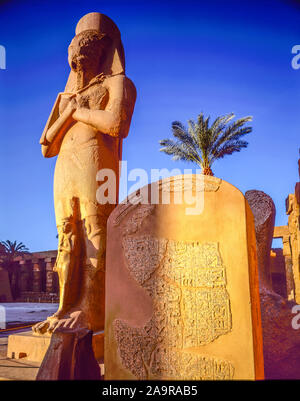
(191, 308)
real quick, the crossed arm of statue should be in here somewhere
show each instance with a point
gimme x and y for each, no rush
(112, 121)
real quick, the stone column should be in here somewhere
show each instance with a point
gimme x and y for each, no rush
(49, 276)
(37, 276)
(293, 211)
(23, 282)
(290, 285)
(283, 233)
(5, 290)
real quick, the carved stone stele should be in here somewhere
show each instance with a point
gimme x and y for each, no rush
(182, 298)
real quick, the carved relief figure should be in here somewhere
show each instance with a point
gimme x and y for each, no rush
(85, 130)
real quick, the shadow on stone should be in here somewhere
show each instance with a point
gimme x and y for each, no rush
(70, 357)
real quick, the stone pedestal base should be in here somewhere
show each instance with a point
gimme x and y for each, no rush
(34, 347)
(70, 356)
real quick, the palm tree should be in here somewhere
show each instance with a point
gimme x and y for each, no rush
(8, 252)
(202, 143)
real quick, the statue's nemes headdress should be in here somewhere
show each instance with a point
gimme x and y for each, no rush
(114, 53)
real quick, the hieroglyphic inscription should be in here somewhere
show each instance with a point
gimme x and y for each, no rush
(191, 308)
(144, 355)
(195, 182)
(180, 183)
(127, 206)
(135, 221)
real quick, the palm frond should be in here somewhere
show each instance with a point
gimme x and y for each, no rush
(230, 147)
(179, 151)
(220, 124)
(232, 130)
(182, 134)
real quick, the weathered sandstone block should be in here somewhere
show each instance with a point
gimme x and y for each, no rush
(182, 296)
(263, 209)
(33, 347)
(70, 357)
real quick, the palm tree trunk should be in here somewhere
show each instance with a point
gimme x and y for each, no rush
(207, 171)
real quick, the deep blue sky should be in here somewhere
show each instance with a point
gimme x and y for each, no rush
(184, 57)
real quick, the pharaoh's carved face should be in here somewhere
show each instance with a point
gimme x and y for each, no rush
(86, 50)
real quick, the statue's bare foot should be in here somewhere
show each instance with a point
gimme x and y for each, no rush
(74, 319)
(43, 327)
(71, 320)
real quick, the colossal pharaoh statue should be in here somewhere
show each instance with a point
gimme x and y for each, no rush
(85, 129)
